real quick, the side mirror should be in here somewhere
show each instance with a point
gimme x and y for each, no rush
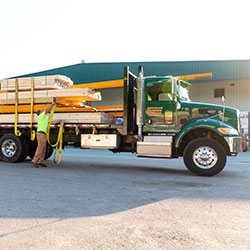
(223, 99)
(224, 107)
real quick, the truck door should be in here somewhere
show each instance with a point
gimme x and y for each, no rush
(161, 115)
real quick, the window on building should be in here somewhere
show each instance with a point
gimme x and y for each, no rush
(219, 93)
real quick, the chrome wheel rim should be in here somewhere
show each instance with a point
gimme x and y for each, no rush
(9, 148)
(205, 157)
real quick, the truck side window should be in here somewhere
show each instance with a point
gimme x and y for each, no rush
(152, 93)
(159, 92)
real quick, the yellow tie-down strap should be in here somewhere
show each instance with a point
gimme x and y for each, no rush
(17, 132)
(59, 141)
(32, 132)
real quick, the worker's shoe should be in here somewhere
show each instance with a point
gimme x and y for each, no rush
(43, 165)
(36, 165)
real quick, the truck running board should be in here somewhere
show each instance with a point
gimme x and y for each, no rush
(155, 146)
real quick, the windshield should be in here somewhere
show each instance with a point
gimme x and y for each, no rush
(184, 94)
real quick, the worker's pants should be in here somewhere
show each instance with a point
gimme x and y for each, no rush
(41, 148)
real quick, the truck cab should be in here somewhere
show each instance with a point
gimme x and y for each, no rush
(173, 126)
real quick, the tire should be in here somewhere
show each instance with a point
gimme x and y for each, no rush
(204, 157)
(33, 146)
(11, 149)
(49, 152)
(25, 148)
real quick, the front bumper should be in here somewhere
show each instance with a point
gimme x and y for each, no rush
(235, 144)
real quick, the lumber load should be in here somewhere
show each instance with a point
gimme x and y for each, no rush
(63, 96)
(71, 101)
(40, 83)
(72, 118)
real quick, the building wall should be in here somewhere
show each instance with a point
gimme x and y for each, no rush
(237, 92)
(113, 96)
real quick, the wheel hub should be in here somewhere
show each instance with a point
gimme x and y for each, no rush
(205, 157)
(8, 148)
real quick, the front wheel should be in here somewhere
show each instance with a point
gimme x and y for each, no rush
(205, 157)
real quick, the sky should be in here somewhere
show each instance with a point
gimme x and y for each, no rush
(39, 35)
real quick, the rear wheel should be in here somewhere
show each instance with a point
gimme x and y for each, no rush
(205, 157)
(33, 146)
(11, 149)
(25, 148)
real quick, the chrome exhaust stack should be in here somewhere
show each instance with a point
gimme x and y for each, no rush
(140, 105)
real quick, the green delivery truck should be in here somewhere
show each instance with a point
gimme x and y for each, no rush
(159, 120)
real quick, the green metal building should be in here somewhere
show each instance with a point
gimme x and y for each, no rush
(96, 72)
(230, 78)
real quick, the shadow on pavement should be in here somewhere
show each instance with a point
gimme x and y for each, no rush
(96, 187)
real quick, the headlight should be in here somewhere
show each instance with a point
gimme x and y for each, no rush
(228, 131)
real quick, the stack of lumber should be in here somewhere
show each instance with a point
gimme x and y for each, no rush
(40, 82)
(45, 89)
(63, 96)
(72, 118)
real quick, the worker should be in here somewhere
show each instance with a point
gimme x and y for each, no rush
(42, 124)
(149, 98)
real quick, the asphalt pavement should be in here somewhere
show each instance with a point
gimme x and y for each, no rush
(99, 200)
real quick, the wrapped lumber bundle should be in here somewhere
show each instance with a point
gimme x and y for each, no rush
(40, 82)
(63, 96)
(73, 118)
